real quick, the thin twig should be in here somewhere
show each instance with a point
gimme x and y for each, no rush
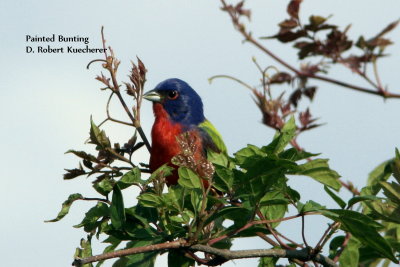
(290, 240)
(248, 37)
(95, 60)
(268, 225)
(377, 78)
(267, 239)
(342, 247)
(96, 199)
(326, 236)
(108, 112)
(350, 187)
(250, 224)
(302, 231)
(234, 79)
(359, 72)
(112, 70)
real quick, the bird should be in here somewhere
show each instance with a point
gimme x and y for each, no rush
(178, 109)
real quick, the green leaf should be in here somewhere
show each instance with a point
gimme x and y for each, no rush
(309, 206)
(350, 255)
(163, 171)
(177, 219)
(392, 191)
(338, 215)
(84, 251)
(196, 200)
(379, 174)
(147, 213)
(273, 211)
(66, 206)
(117, 209)
(92, 216)
(130, 178)
(259, 175)
(319, 170)
(216, 158)
(175, 198)
(335, 244)
(138, 260)
(187, 215)
(138, 233)
(369, 236)
(167, 201)
(267, 262)
(357, 199)
(396, 166)
(335, 197)
(282, 139)
(150, 200)
(271, 202)
(176, 258)
(114, 244)
(385, 210)
(223, 244)
(98, 137)
(292, 194)
(370, 256)
(231, 213)
(104, 187)
(188, 178)
(249, 152)
(294, 155)
(223, 180)
(364, 229)
(264, 176)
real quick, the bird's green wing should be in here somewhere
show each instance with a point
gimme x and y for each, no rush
(215, 136)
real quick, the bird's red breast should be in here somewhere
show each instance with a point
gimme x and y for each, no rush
(164, 143)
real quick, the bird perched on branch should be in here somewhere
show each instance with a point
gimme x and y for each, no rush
(178, 109)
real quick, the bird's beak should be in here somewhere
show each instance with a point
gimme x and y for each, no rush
(153, 96)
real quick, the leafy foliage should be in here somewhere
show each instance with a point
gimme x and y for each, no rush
(221, 199)
(245, 197)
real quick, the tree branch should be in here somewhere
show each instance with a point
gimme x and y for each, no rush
(248, 37)
(130, 251)
(303, 254)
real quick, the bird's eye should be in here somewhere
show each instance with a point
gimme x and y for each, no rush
(173, 94)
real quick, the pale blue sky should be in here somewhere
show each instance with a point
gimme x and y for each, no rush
(47, 100)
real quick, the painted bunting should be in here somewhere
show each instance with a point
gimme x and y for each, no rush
(178, 109)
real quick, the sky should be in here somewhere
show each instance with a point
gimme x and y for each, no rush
(46, 101)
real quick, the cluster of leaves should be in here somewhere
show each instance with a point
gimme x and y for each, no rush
(383, 214)
(102, 163)
(386, 208)
(327, 41)
(247, 196)
(320, 46)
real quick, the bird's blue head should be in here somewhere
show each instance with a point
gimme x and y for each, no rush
(179, 100)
